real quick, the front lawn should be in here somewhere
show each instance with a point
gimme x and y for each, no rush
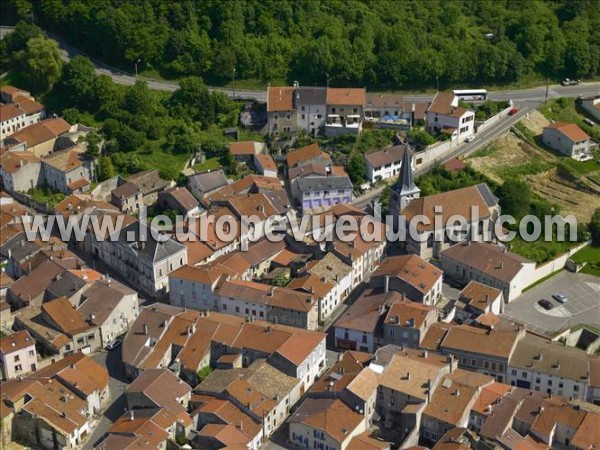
(209, 164)
(591, 256)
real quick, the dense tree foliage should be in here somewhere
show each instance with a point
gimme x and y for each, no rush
(40, 60)
(595, 228)
(373, 43)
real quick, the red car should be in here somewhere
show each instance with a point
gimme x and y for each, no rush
(513, 111)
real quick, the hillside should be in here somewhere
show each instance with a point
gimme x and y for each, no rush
(380, 44)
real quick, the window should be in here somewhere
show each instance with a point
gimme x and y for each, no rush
(364, 339)
(31, 352)
(576, 388)
(303, 116)
(18, 368)
(17, 358)
(275, 116)
(224, 307)
(513, 372)
(524, 374)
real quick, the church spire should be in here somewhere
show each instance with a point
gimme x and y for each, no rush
(405, 184)
(405, 190)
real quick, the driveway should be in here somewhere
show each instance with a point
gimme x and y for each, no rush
(583, 305)
(116, 403)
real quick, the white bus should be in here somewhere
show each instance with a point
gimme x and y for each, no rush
(471, 95)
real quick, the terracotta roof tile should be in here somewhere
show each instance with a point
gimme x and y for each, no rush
(570, 130)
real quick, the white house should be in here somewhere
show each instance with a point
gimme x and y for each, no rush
(385, 163)
(445, 116)
(17, 355)
(265, 165)
(568, 139)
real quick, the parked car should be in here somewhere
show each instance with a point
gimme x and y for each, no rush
(470, 138)
(114, 344)
(513, 111)
(568, 82)
(545, 304)
(560, 298)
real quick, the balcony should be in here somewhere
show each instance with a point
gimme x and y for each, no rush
(337, 124)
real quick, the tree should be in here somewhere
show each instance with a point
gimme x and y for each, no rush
(93, 144)
(595, 228)
(515, 197)
(41, 62)
(78, 82)
(356, 168)
(16, 41)
(106, 169)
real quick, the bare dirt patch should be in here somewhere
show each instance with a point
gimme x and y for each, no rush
(536, 122)
(572, 200)
(510, 152)
(507, 151)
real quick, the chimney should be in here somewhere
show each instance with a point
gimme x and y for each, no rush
(451, 362)
(386, 284)
(271, 291)
(145, 328)
(487, 298)
(408, 375)
(457, 392)
(131, 414)
(425, 354)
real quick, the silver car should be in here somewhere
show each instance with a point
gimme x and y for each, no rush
(560, 298)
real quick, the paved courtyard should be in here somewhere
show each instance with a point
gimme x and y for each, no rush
(583, 306)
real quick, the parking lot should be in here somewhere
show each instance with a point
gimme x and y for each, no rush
(583, 305)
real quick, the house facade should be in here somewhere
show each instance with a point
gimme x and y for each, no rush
(568, 139)
(21, 171)
(385, 163)
(17, 355)
(445, 116)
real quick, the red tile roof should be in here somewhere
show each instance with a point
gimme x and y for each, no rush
(570, 130)
(280, 98)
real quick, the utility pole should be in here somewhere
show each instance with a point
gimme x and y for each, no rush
(136, 70)
(437, 81)
(547, 87)
(233, 78)
(327, 75)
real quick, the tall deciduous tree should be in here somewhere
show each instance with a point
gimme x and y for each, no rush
(41, 62)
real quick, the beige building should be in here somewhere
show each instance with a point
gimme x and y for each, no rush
(484, 350)
(18, 355)
(491, 265)
(40, 137)
(411, 275)
(321, 423)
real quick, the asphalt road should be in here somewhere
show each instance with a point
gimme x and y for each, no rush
(122, 77)
(583, 305)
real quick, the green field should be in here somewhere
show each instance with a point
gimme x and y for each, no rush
(591, 256)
